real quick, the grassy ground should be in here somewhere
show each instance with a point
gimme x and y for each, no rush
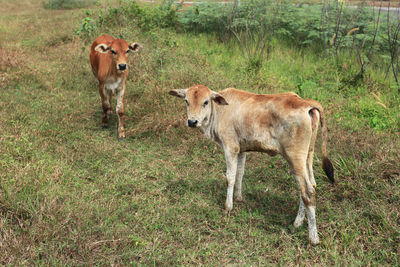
(72, 194)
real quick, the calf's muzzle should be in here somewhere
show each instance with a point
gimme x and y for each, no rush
(192, 123)
(122, 66)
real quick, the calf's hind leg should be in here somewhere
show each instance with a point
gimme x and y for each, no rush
(312, 224)
(310, 157)
(300, 214)
(307, 194)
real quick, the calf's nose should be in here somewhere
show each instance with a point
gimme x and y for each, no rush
(121, 66)
(192, 123)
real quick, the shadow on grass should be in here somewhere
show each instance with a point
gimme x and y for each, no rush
(274, 209)
(112, 127)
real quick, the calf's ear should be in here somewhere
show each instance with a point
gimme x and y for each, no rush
(135, 47)
(218, 98)
(178, 92)
(102, 48)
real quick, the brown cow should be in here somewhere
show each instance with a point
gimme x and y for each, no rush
(275, 124)
(108, 57)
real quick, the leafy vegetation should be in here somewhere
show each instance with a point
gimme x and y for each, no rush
(300, 25)
(330, 28)
(128, 13)
(72, 194)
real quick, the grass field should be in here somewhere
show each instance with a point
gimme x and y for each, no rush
(72, 194)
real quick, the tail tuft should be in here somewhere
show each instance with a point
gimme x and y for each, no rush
(328, 169)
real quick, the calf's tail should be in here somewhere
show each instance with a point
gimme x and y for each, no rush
(326, 163)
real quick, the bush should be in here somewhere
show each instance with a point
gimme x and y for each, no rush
(129, 13)
(330, 26)
(302, 25)
(68, 4)
(206, 17)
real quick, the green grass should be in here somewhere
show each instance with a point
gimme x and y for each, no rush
(67, 4)
(72, 194)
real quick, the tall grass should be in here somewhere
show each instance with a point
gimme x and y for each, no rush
(68, 4)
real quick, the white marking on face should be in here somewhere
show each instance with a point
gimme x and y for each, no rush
(203, 115)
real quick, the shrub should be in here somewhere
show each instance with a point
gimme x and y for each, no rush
(206, 17)
(128, 13)
(87, 29)
(302, 25)
(331, 26)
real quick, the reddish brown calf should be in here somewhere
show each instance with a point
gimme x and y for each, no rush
(108, 57)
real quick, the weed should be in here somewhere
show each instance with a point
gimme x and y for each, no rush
(87, 29)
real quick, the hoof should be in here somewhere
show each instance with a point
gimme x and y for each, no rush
(121, 138)
(226, 212)
(298, 223)
(104, 126)
(314, 240)
(121, 133)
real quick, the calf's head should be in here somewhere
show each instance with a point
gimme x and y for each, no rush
(118, 50)
(198, 102)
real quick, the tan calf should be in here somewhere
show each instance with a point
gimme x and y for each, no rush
(108, 57)
(275, 124)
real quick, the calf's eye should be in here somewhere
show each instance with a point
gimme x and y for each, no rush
(205, 103)
(187, 103)
(112, 51)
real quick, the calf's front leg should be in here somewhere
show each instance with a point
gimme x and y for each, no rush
(106, 105)
(239, 176)
(120, 113)
(231, 158)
